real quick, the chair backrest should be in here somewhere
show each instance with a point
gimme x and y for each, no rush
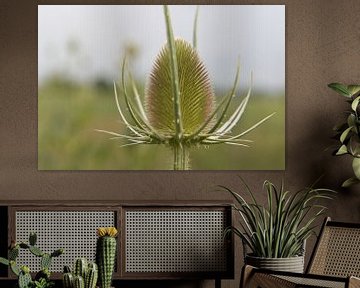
(337, 251)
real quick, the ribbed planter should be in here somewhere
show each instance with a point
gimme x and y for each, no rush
(291, 264)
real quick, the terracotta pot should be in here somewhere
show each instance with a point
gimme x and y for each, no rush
(291, 264)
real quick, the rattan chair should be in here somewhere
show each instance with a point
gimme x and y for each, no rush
(334, 263)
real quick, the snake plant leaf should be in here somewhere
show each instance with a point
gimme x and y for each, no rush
(196, 94)
(340, 88)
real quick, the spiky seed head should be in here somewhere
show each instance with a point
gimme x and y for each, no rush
(197, 98)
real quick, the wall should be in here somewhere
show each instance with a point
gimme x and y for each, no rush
(322, 46)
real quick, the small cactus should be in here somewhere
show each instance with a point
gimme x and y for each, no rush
(14, 268)
(32, 238)
(91, 276)
(45, 261)
(44, 273)
(13, 253)
(79, 282)
(84, 275)
(81, 266)
(106, 254)
(24, 277)
(36, 251)
(68, 280)
(67, 269)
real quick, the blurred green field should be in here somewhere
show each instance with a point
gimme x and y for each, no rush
(69, 113)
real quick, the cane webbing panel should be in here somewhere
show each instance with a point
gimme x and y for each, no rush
(75, 231)
(263, 280)
(304, 282)
(338, 252)
(175, 241)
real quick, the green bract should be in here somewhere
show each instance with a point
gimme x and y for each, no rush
(349, 132)
(279, 229)
(180, 109)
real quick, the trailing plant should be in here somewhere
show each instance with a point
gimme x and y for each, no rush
(279, 229)
(42, 278)
(348, 132)
(180, 110)
(84, 275)
(106, 254)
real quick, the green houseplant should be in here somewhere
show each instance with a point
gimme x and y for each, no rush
(348, 132)
(179, 109)
(275, 233)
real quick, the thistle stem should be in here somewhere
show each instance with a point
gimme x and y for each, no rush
(181, 157)
(195, 28)
(174, 75)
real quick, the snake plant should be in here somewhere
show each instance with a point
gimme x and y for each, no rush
(179, 108)
(349, 132)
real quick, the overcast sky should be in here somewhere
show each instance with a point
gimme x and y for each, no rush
(88, 42)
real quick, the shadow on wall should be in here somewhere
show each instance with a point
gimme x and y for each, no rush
(320, 165)
(332, 170)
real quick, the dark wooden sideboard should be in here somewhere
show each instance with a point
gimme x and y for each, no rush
(164, 241)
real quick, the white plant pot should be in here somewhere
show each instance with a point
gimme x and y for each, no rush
(291, 264)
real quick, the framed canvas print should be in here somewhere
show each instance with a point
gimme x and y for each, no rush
(152, 87)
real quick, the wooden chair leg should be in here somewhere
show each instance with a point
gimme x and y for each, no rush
(246, 273)
(251, 279)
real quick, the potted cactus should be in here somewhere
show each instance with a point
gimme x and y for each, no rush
(106, 254)
(84, 275)
(42, 278)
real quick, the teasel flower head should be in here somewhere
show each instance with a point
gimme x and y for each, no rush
(179, 109)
